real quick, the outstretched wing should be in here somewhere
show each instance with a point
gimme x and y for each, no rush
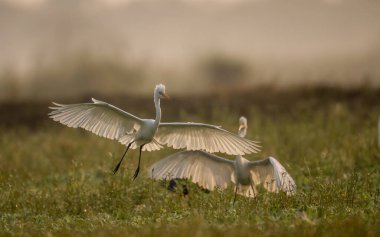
(272, 175)
(198, 136)
(207, 170)
(98, 117)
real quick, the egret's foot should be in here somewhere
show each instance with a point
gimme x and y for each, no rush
(136, 173)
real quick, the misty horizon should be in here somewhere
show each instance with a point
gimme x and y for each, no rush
(278, 41)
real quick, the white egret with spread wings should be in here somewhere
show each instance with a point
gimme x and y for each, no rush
(210, 171)
(108, 121)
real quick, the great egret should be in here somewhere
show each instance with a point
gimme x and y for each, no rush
(211, 171)
(108, 121)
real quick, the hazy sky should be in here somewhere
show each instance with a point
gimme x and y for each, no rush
(176, 33)
(36, 3)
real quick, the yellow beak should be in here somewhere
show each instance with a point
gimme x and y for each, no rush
(241, 126)
(166, 96)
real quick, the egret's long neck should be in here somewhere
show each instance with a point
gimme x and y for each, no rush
(242, 131)
(158, 109)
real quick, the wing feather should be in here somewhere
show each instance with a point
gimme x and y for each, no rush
(272, 175)
(207, 170)
(99, 117)
(152, 146)
(197, 136)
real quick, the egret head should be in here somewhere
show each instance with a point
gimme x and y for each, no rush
(159, 91)
(243, 122)
(243, 126)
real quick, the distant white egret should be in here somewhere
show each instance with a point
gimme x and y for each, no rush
(108, 121)
(211, 171)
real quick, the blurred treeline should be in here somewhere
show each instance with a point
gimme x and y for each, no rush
(86, 75)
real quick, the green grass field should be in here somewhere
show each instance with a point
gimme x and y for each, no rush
(58, 181)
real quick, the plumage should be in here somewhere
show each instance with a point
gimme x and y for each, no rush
(205, 169)
(99, 117)
(272, 175)
(210, 171)
(108, 121)
(210, 138)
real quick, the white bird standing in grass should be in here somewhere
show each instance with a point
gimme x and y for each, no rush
(210, 171)
(111, 122)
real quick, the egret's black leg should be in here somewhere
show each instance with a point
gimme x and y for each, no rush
(236, 188)
(138, 166)
(118, 164)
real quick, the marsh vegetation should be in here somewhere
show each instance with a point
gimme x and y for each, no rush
(58, 181)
